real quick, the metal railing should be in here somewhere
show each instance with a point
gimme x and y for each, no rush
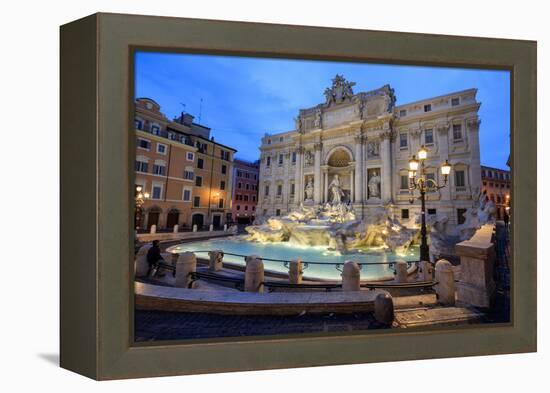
(306, 264)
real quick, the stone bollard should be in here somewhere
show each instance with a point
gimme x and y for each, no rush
(351, 276)
(211, 228)
(225, 227)
(140, 265)
(187, 263)
(254, 274)
(445, 288)
(383, 308)
(176, 228)
(194, 227)
(427, 273)
(295, 271)
(401, 274)
(216, 260)
(153, 229)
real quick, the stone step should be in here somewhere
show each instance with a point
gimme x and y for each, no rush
(442, 316)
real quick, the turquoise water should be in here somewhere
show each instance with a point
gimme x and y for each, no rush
(288, 251)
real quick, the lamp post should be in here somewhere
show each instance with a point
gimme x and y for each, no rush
(418, 180)
(139, 198)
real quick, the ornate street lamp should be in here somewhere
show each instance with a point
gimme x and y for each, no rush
(418, 180)
(139, 197)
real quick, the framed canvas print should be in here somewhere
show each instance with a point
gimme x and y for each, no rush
(241, 196)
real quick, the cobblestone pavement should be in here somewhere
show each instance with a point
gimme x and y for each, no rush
(160, 325)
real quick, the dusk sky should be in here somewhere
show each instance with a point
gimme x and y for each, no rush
(243, 98)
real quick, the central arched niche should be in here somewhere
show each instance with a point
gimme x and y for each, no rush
(339, 158)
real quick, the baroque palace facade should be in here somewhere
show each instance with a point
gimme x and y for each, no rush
(366, 142)
(187, 175)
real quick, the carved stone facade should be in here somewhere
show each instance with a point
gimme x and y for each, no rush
(367, 141)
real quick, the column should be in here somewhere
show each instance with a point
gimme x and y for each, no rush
(443, 131)
(298, 192)
(385, 156)
(325, 184)
(359, 168)
(352, 185)
(475, 170)
(286, 184)
(317, 173)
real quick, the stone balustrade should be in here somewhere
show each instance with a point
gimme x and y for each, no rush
(254, 274)
(216, 260)
(295, 271)
(477, 257)
(186, 264)
(351, 276)
(445, 288)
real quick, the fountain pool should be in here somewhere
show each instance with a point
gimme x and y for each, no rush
(325, 260)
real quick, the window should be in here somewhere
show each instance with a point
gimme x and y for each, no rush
(141, 166)
(198, 181)
(279, 190)
(280, 159)
(220, 203)
(293, 159)
(188, 175)
(253, 208)
(161, 148)
(428, 108)
(460, 180)
(155, 129)
(159, 170)
(246, 198)
(200, 163)
(239, 174)
(190, 156)
(483, 174)
(404, 182)
(432, 212)
(253, 198)
(224, 154)
(460, 216)
(245, 207)
(403, 142)
(292, 188)
(138, 124)
(196, 201)
(403, 112)
(278, 212)
(404, 214)
(266, 191)
(224, 169)
(186, 194)
(280, 139)
(455, 101)
(144, 144)
(457, 132)
(240, 185)
(268, 161)
(269, 141)
(430, 175)
(157, 192)
(222, 185)
(429, 137)
(238, 207)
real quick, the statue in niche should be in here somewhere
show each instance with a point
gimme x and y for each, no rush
(336, 190)
(309, 189)
(374, 185)
(318, 122)
(298, 124)
(373, 149)
(309, 158)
